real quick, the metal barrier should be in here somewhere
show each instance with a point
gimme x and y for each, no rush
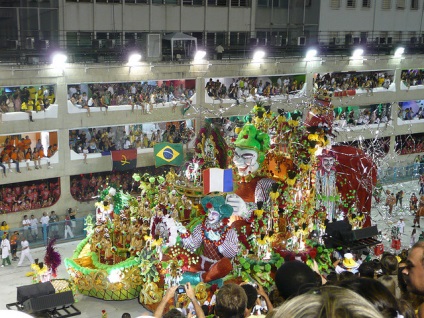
(63, 231)
(398, 174)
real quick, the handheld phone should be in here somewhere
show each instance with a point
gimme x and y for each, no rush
(180, 290)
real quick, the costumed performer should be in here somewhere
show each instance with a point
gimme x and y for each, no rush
(218, 241)
(249, 154)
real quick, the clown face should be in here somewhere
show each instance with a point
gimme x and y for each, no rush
(213, 217)
(327, 163)
(246, 161)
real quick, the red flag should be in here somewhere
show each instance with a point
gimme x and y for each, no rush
(124, 159)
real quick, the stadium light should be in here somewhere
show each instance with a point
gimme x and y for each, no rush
(357, 53)
(134, 58)
(199, 55)
(310, 54)
(258, 55)
(59, 60)
(399, 51)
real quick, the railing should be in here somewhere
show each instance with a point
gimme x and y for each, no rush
(400, 173)
(56, 230)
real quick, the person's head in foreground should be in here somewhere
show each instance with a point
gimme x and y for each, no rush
(327, 302)
(231, 302)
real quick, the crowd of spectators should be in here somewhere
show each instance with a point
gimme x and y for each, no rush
(356, 285)
(245, 87)
(407, 113)
(103, 140)
(345, 81)
(373, 114)
(26, 99)
(15, 152)
(408, 144)
(86, 187)
(29, 195)
(138, 94)
(412, 77)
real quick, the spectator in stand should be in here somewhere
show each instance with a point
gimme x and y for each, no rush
(34, 227)
(44, 220)
(28, 158)
(41, 155)
(14, 159)
(54, 228)
(2, 165)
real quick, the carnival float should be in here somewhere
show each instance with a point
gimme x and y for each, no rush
(287, 181)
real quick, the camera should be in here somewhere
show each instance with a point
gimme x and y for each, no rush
(180, 289)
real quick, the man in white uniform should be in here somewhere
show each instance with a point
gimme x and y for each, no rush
(25, 252)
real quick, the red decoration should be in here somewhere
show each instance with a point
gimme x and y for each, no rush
(209, 205)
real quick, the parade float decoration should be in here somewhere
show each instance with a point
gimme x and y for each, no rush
(288, 180)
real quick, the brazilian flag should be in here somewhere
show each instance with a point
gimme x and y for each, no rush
(168, 154)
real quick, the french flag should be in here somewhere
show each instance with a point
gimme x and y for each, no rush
(217, 180)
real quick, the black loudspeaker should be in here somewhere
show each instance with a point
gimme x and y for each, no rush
(336, 233)
(47, 302)
(34, 291)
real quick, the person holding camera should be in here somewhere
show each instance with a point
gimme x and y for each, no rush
(172, 293)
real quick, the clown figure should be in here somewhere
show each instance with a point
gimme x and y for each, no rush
(218, 240)
(325, 184)
(249, 154)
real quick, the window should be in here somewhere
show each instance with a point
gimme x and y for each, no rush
(400, 4)
(351, 3)
(335, 4)
(414, 4)
(366, 3)
(386, 5)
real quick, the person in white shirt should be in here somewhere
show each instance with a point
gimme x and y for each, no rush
(26, 224)
(34, 227)
(401, 225)
(26, 252)
(5, 251)
(44, 220)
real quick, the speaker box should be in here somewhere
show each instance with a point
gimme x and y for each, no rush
(34, 291)
(46, 302)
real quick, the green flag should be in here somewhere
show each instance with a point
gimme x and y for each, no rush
(168, 154)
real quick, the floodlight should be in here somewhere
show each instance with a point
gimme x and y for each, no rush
(258, 55)
(357, 53)
(134, 58)
(399, 51)
(199, 55)
(59, 60)
(310, 54)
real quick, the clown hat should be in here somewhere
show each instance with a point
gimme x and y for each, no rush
(218, 204)
(250, 138)
(348, 261)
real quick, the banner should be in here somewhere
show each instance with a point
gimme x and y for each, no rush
(123, 160)
(168, 154)
(217, 180)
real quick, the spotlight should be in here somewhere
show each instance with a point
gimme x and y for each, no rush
(59, 60)
(134, 58)
(258, 55)
(199, 55)
(399, 52)
(310, 54)
(357, 53)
